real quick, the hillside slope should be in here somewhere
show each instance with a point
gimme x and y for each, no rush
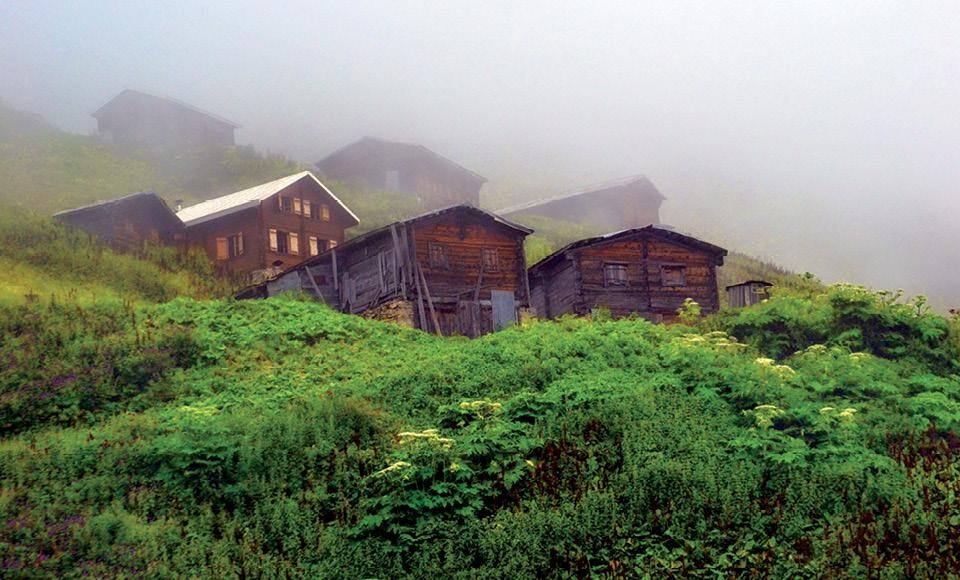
(284, 439)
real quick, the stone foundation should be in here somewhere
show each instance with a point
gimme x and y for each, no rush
(396, 311)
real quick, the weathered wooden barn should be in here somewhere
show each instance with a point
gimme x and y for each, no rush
(269, 227)
(142, 121)
(646, 271)
(614, 205)
(406, 168)
(747, 293)
(455, 271)
(126, 223)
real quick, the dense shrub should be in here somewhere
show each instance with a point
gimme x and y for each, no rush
(279, 438)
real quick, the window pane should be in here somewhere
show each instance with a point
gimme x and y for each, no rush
(673, 275)
(491, 259)
(615, 274)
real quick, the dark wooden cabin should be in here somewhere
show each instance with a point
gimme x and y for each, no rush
(406, 168)
(126, 223)
(270, 227)
(142, 121)
(455, 271)
(747, 293)
(625, 203)
(646, 271)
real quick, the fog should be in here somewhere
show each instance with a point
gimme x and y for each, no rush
(824, 136)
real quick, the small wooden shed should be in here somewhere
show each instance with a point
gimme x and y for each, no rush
(456, 271)
(647, 271)
(126, 222)
(747, 293)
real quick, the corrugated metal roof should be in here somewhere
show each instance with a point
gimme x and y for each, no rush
(583, 191)
(247, 198)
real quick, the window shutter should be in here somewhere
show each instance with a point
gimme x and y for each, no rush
(307, 209)
(331, 244)
(294, 244)
(325, 212)
(314, 246)
(296, 205)
(222, 253)
(273, 240)
(280, 203)
(240, 244)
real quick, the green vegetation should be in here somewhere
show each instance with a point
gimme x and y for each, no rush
(812, 435)
(46, 261)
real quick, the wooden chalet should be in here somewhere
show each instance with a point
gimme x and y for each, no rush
(142, 121)
(406, 168)
(625, 203)
(126, 223)
(270, 227)
(646, 271)
(455, 271)
(747, 293)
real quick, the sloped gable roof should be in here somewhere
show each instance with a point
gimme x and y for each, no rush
(400, 149)
(641, 180)
(108, 205)
(251, 197)
(132, 94)
(659, 231)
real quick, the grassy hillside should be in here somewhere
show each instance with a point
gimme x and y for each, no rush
(43, 261)
(283, 439)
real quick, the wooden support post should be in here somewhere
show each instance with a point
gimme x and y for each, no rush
(313, 283)
(423, 314)
(426, 291)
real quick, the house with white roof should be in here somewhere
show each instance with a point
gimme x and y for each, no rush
(269, 227)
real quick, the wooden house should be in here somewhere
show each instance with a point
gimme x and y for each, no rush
(269, 227)
(127, 222)
(455, 271)
(645, 271)
(406, 168)
(614, 205)
(138, 120)
(747, 293)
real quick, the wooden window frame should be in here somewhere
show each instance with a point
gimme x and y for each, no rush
(297, 206)
(293, 243)
(438, 256)
(663, 275)
(491, 265)
(235, 245)
(308, 209)
(313, 245)
(324, 212)
(610, 282)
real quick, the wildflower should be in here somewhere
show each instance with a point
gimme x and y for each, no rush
(765, 362)
(454, 467)
(857, 356)
(530, 463)
(391, 468)
(827, 410)
(765, 414)
(847, 413)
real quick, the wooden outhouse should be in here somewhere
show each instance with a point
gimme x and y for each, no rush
(456, 271)
(747, 293)
(647, 271)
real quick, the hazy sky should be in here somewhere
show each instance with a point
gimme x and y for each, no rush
(822, 135)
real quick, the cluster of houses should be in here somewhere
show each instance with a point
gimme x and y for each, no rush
(455, 270)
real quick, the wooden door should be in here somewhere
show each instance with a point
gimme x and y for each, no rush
(504, 309)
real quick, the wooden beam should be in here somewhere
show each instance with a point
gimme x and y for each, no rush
(333, 257)
(523, 272)
(423, 314)
(313, 283)
(426, 291)
(398, 255)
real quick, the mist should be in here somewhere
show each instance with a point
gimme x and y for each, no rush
(823, 136)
